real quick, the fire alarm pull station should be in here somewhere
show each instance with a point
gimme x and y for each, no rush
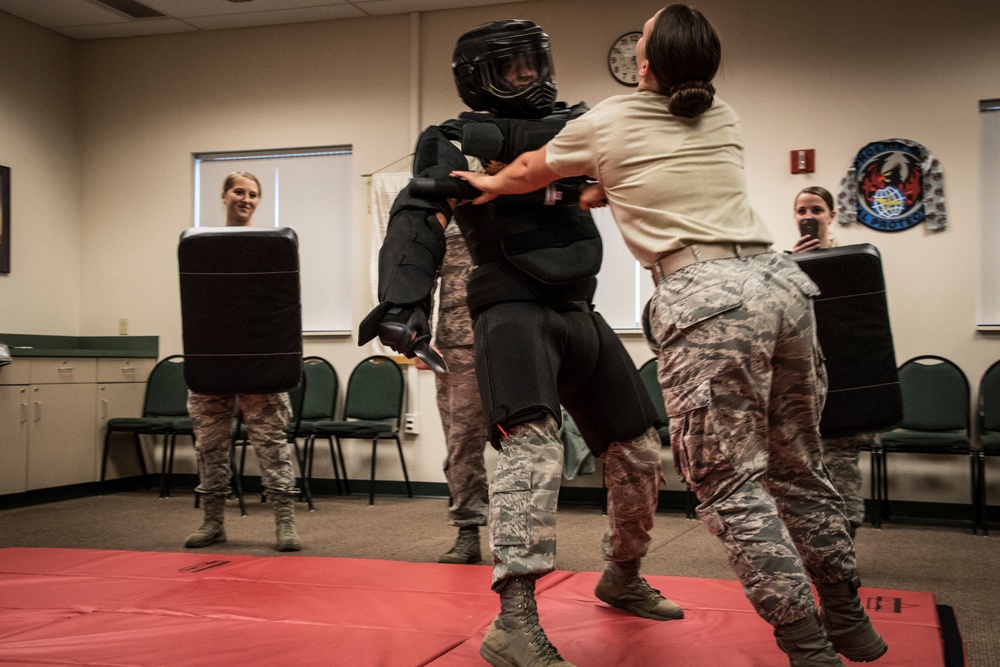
(804, 161)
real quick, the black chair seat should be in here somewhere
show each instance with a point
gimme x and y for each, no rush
(990, 442)
(144, 425)
(923, 441)
(352, 429)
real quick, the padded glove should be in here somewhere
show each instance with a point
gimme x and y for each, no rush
(403, 328)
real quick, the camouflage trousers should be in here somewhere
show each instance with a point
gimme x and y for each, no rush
(524, 494)
(840, 456)
(265, 417)
(744, 385)
(465, 437)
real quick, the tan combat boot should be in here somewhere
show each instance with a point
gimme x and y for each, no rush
(213, 529)
(846, 623)
(621, 586)
(284, 521)
(806, 644)
(515, 639)
(466, 549)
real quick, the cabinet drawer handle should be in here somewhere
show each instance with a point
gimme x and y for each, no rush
(65, 369)
(24, 412)
(38, 410)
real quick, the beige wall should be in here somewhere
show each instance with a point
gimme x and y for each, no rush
(38, 107)
(100, 136)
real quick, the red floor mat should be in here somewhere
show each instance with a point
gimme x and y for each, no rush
(134, 609)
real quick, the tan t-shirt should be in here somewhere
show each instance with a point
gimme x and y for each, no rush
(670, 181)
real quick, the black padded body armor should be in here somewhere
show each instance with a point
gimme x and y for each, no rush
(538, 246)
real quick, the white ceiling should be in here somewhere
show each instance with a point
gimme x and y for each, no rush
(91, 19)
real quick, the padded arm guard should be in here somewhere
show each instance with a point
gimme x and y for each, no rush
(414, 243)
(411, 253)
(407, 265)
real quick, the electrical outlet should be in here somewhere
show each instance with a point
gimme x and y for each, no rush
(412, 423)
(122, 326)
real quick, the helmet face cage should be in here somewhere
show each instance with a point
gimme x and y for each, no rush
(506, 76)
(506, 68)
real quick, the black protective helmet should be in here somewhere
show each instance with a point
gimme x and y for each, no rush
(505, 67)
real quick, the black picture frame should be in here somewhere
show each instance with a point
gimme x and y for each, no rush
(4, 219)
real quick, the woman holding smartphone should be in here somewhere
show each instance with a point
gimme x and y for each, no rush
(814, 214)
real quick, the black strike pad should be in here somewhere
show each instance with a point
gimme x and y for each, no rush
(240, 308)
(852, 316)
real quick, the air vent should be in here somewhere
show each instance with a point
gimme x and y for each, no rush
(130, 8)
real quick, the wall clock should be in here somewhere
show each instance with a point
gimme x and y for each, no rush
(621, 59)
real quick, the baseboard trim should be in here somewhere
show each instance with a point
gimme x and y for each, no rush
(900, 511)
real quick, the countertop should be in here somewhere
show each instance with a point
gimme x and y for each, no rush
(38, 345)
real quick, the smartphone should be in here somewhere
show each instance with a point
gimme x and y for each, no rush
(809, 227)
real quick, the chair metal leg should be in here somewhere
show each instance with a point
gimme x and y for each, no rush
(168, 446)
(371, 492)
(983, 506)
(873, 486)
(311, 447)
(980, 510)
(690, 501)
(307, 454)
(302, 469)
(973, 499)
(338, 481)
(333, 462)
(170, 461)
(875, 460)
(142, 460)
(343, 466)
(104, 457)
(884, 487)
(406, 477)
(237, 486)
(604, 489)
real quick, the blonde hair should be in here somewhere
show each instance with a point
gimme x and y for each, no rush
(227, 185)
